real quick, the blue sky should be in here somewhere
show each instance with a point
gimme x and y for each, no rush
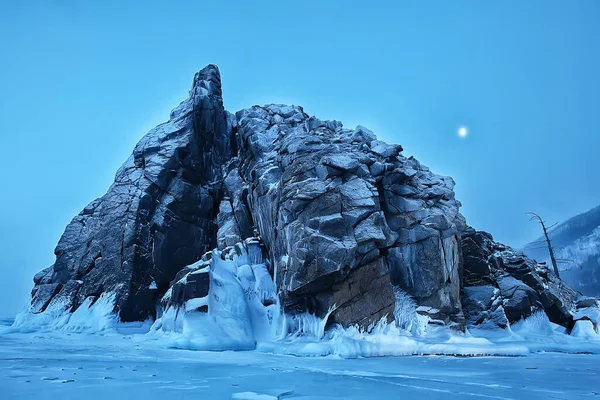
(81, 82)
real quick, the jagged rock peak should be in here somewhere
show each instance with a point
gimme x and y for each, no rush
(207, 82)
(157, 217)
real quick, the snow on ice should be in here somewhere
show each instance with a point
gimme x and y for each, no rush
(108, 364)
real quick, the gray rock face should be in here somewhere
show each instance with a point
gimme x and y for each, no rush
(331, 220)
(502, 286)
(157, 217)
(345, 217)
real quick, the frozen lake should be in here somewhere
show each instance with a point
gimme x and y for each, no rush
(74, 366)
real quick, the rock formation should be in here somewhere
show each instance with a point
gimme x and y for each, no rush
(502, 286)
(344, 217)
(158, 216)
(340, 223)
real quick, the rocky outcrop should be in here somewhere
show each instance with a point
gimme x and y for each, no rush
(157, 217)
(344, 217)
(287, 214)
(502, 286)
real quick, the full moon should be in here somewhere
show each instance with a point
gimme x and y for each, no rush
(462, 131)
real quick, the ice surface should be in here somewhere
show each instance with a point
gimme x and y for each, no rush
(62, 365)
(253, 396)
(533, 335)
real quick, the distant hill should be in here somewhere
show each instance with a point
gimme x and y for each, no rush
(576, 239)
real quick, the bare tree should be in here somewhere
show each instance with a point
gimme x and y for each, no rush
(551, 248)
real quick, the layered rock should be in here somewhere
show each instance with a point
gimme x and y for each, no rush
(502, 286)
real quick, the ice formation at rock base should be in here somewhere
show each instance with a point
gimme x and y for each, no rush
(241, 311)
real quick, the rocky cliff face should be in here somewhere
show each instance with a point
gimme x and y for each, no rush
(304, 215)
(344, 217)
(158, 216)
